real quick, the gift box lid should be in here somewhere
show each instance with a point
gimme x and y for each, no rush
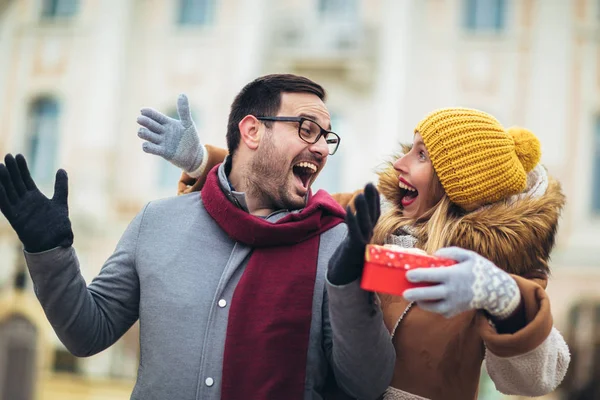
(398, 257)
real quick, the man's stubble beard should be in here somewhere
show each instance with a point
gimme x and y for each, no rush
(267, 179)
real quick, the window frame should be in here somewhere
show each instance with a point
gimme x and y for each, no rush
(473, 21)
(208, 12)
(57, 9)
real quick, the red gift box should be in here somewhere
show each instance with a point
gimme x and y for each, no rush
(385, 268)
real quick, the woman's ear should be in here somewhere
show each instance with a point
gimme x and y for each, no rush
(250, 131)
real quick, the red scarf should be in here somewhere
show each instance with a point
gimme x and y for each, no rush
(266, 345)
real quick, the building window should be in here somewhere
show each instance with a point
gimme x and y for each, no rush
(596, 170)
(342, 9)
(18, 338)
(59, 8)
(485, 15)
(196, 12)
(43, 137)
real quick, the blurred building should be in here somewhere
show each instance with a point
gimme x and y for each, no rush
(74, 74)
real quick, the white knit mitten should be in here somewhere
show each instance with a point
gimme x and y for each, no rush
(474, 283)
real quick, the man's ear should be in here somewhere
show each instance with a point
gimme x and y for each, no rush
(250, 131)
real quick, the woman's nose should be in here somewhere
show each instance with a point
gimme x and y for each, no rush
(400, 164)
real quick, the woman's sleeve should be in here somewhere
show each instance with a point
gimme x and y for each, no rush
(214, 155)
(533, 360)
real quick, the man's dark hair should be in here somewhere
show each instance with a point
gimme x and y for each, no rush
(262, 97)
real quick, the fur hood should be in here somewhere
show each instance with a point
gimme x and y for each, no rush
(517, 234)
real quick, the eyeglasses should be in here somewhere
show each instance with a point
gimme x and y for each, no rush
(309, 131)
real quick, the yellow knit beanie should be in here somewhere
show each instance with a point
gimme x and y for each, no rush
(477, 161)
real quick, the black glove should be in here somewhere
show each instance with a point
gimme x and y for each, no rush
(347, 262)
(41, 223)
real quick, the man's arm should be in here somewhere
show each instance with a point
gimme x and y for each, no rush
(361, 350)
(358, 344)
(88, 319)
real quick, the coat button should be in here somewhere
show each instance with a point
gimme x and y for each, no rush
(222, 303)
(209, 382)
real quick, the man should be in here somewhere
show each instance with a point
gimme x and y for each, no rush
(229, 284)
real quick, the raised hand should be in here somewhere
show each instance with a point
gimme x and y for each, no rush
(41, 223)
(474, 283)
(347, 262)
(174, 140)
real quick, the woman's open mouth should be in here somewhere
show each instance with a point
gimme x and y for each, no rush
(410, 193)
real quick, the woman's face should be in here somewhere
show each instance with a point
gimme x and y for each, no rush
(417, 177)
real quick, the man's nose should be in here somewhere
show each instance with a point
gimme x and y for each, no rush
(320, 147)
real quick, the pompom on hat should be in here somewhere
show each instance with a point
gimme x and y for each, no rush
(477, 161)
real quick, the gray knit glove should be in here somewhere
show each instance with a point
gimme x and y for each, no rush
(474, 283)
(174, 140)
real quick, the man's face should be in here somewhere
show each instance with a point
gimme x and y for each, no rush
(284, 166)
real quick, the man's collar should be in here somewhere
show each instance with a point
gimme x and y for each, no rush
(237, 198)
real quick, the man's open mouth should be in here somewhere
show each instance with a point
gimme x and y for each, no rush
(304, 171)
